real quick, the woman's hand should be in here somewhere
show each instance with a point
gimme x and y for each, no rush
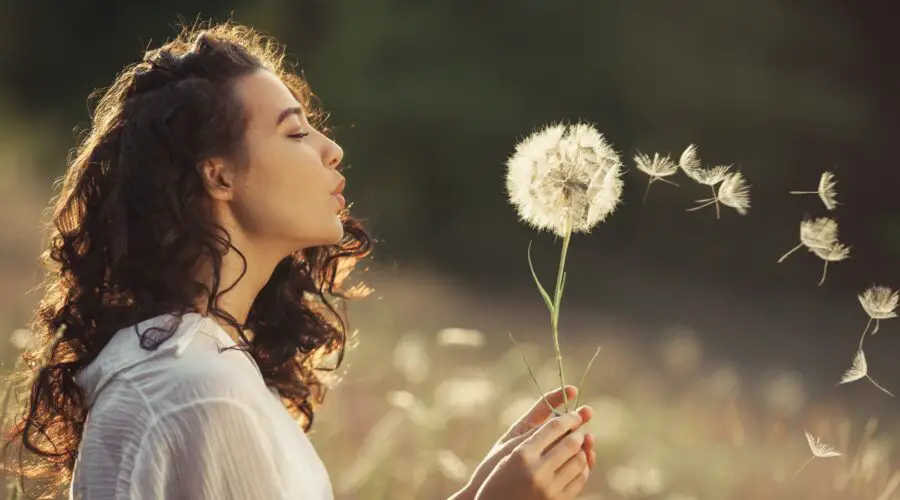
(520, 431)
(549, 464)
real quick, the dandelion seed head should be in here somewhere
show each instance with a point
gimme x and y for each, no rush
(879, 302)
(735, 192)
(827, 191)
(857, 370)
(561, 172)
(656, 167)
(820, 449)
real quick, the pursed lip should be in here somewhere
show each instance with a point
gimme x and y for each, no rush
(337, 193)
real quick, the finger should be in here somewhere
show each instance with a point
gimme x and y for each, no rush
(586, 412)
(575, 486)
(588, 448)
(539, 412)
(552, 430)
(508, 446)
(571, 469)
(558, 455)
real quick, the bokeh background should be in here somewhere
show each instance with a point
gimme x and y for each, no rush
(714, 358)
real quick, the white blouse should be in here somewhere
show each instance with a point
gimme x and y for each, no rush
(185, 421)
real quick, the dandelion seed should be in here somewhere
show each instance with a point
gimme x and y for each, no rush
(690, 164)
(818, 449)
(879, 302)
(564, 178)
(859, 370)
(820, 236)
(733, 192)
(826, 191)
(835, 253)
(658, 168)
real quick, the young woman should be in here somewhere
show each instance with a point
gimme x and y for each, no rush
(199, 240)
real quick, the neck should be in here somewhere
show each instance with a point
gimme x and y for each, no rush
(240, 281)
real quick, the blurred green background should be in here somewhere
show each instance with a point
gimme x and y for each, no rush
(715, 358)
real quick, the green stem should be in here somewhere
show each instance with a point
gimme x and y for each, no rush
(557, 299)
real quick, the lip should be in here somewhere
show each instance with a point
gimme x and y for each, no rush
(337, 193)
(341, 201)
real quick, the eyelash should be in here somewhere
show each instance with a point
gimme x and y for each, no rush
(299, 136)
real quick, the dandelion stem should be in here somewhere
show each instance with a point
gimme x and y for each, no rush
(557, 299)
(647, 191)
(863, 337)
(667, 181)
(584, 376)
(803, 192)
(798, 247)
(716, 200)
(824, 273)
(533, 378)
(876, 384)
(804, 466)
(704, 205)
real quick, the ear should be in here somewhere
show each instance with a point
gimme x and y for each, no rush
(218, 178)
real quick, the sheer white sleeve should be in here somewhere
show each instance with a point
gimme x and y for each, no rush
(214, 448)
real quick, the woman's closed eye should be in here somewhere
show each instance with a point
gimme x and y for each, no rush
(298, 135)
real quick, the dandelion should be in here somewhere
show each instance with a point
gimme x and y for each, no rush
(658, 168)
(564, 179)
(879, 302)
(733, 192)
(820, 236)
(860, 370)
(690, 164)
(818, 449)
(826, 191)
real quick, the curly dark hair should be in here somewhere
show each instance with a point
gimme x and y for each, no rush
(130, 222)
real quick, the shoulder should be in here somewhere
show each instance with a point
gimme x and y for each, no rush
(198, 360)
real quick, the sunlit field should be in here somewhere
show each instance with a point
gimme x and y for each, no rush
(432, 379)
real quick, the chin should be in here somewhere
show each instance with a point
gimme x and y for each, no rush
(333, 236)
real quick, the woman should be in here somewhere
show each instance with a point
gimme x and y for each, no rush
(199, 241)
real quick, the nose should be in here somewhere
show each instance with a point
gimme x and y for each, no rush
(333, 155)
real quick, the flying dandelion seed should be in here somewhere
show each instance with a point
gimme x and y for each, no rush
(820, 236)
(860, 370)
(826, 191)
(692, 167)
(818, 449)
(657, 168)
(835, 253)
(880, 303)
(564, 179)
(733, 192)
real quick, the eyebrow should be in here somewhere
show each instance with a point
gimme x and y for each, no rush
(288, 112)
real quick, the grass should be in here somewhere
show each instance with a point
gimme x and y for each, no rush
(415, 412)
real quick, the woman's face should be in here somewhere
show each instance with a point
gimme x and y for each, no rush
(288, 193)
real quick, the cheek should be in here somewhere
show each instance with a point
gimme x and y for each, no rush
(288, 198)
